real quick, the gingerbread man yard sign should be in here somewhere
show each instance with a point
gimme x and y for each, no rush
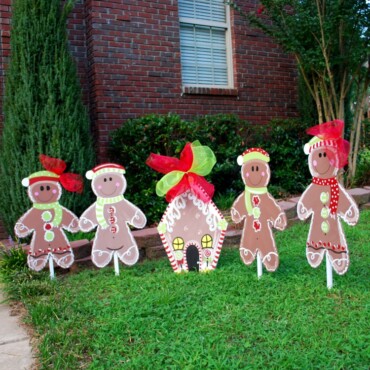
(111, 214)
(325, 200)
(192, 228)
(259, 211)
(47, 218)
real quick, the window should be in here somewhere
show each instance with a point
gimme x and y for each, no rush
(206, 241)
(205, 43)
(178, 243)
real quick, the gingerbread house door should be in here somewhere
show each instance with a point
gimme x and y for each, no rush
(192, 258)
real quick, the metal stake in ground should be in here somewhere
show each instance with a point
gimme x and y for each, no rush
(329, 272)
(259, 266)
(51, 267)
(116, 264)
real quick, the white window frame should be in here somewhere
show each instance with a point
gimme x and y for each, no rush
(229, 60)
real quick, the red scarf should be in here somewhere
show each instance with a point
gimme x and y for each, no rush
(334, 191)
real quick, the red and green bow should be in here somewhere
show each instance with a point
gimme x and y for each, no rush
(185, 173)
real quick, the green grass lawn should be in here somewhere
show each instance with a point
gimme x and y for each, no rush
(150, 317)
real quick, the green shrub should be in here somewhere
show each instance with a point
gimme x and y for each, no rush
(363, 168)
(12, 260)
(43, 108)
(167, 135)
(284, 142)
(227, 135)
(15, 274)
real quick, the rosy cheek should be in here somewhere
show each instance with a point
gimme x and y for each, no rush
(37, 194)
(263, 174)
(247, 174)
(314, 162)
(117, 184)
(54, 191)
(99, 187)
(331, 162)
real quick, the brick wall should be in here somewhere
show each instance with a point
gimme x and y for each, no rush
(134, 68)
(128, 59)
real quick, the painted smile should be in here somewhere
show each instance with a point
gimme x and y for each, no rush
(43, 199)
(108, 194)
(256, 183)
(323, 172)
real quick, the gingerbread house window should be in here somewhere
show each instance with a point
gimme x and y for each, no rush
(207, 241)
(178, 243)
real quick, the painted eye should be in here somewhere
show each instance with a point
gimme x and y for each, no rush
(41, 188)
(324, 154)
(105, 180)
(257, 168)
(48, 188)
(320, 155)
(110, 179)
(252, 168)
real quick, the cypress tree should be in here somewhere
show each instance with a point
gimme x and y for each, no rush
(43, 106)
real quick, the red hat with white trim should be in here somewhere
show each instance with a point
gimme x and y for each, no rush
(316, 142)
(54, 171)
(40, 176)
(253, 153)
(105, 168)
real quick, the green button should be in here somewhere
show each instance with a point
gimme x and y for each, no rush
(325, 227)
(256, 212)
(325, 212)
(46, 216)
(49, 236)
(324, 197)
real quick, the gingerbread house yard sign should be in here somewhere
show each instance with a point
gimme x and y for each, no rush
(192, 228)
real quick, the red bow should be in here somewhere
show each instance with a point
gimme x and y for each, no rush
(333, 131)
(70, 181)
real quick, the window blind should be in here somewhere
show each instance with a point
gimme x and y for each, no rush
(209, 10)
(203, 42)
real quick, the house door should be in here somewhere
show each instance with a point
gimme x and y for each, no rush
(192, 258)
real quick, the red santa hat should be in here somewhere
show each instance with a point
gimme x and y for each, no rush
(105, 168)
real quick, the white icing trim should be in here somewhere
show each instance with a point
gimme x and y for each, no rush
(60, 262)
(352, 214)
(137, 215)
(267, 256)
(128, 253)
(235, 215)
(84, 220)
(100, 253)
(279, 219)
(311, 256)
(302, 212)
(246, 251)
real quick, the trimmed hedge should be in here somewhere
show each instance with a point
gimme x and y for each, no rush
(227, 135)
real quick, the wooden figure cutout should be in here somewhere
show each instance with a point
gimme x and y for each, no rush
(259, 211)
(111, 214)
(325, 200)
(192, 228)
(47, 218)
